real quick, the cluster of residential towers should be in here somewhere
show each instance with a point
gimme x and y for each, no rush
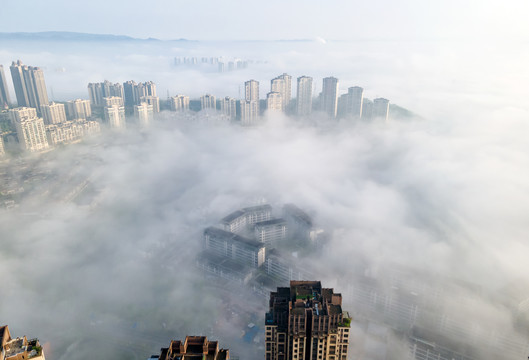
(41, 124)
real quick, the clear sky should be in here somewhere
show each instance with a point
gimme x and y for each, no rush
(272, 19)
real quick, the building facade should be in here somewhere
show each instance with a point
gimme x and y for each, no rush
(113, 100)
(306, 322)
(98, 91)
(381, 109)
(71, 131)
(4, 92)
(78, 109)
(282, 85)
(179, 103)
(53, 113)
(251, 105)
(240, 249)
(353, 103)
(193, 348)
(367, 109)
(31, 131)
(21, 113)
(271, 232)
(152, 100)
(274, 102)
(208, 101)
(241, 221)
(228, 107)
(144, 114)
(304, 96)
(133, 92)
(30, 88)
(329, 96)
(249, 112)
(115, 117)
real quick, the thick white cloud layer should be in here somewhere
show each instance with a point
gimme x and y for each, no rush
(446, 195)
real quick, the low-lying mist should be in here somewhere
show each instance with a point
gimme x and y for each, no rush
(432, 214)
(117, 267)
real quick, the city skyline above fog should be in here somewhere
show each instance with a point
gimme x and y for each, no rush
(427, 217)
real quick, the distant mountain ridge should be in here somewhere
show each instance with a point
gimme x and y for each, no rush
(71, 36)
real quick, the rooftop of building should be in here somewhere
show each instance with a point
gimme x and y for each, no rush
(15, 346)
(234, 215)
(5, 336)
(303, 295)
(264, 207)
(213, 231)
(194, 348)
(278, 221)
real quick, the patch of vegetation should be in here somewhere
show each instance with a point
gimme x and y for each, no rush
(346, 322)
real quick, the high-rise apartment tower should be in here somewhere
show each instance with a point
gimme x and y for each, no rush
(353, 102)
(329, 96)
(30, 87)
(193, 348)
(282, 85)
(306, 322)
(381, 109)
(4, 93)
(304, 95)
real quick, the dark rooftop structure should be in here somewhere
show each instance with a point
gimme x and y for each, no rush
(302, 297)
(194, 348)
(306, 321)
(271, 222)
(265, 207)
(234, 215)
(219, 233)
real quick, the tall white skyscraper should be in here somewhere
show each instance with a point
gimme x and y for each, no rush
(304, 95)
(282, 85)
(251, 95)
(329, 96)
(30, 87)
(53, 113)
(152, 100)
(98, 91)
(249, 112)
(353, 104)
(115, 116)
(228, 107)
(251, 90)
(78, 109)
(4, 92)
(22, 113)
(179, 103)
(113, 100)
(381, 109)
(134, 92)
(274, 102)
(208, 102)
(367, 109)
(31, 131)
(144, 114)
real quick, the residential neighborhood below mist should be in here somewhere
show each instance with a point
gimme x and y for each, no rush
(276, 200)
